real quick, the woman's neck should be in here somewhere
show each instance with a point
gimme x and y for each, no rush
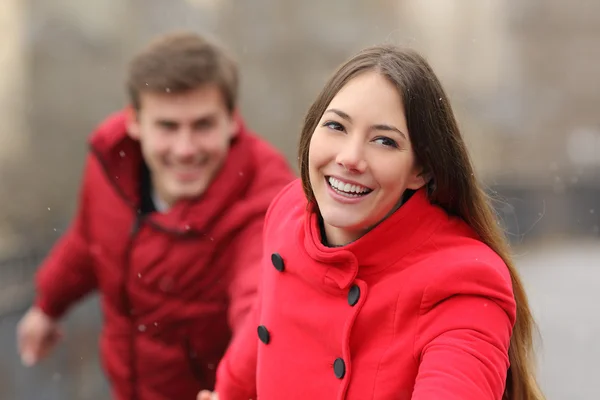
(324, 236)
(338, 238)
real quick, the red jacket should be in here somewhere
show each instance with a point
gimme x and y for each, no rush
(175, 285)
(418, 308)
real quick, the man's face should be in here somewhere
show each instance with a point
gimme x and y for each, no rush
(185, 139)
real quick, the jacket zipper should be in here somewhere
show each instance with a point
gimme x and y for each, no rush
(190, 356)
(139, 219)
(135, 228)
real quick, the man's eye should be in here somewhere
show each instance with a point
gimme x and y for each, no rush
(204, 124)
(168, 126)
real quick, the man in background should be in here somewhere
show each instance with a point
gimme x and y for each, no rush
(168, 227)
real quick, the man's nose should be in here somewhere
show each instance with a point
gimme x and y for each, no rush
(184, 144)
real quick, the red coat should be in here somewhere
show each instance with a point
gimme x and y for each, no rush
(418, 309)
(173, 285)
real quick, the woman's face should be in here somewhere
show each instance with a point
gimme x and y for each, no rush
(360, 158)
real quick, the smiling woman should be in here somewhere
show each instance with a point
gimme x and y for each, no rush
(359, 146)
(390, 278)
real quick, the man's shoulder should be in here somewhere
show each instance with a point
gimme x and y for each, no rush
(271, 169)
(110, 131)
(262, 150)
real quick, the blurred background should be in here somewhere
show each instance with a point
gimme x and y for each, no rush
(523, 76)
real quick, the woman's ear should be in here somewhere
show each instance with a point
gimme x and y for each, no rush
(132, 122)
(419, 179)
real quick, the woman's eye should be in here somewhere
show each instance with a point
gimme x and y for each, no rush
(385, 141)
(334, 125)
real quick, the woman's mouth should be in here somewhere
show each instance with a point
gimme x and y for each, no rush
(347, 189)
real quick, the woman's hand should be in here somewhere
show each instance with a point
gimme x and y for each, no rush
(207, 395)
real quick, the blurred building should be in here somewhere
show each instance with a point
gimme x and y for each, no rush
(14, 138)
(522, 78)
(524, 81)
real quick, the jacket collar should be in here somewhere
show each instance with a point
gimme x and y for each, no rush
(121, 158)
(386, 244)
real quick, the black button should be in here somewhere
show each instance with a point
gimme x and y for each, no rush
(339, 368)
(353, 295)
(263, 334)
(277, 262)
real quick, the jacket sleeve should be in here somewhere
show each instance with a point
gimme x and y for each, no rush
(67, 274)
(247, 256)
(466, 319)
(272, 175)
(236, 373)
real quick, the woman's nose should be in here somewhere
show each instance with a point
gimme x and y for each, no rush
(351, 156)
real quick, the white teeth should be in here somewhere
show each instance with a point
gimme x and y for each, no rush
(346, 187)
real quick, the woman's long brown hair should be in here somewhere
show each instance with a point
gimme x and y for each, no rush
(441, 152)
